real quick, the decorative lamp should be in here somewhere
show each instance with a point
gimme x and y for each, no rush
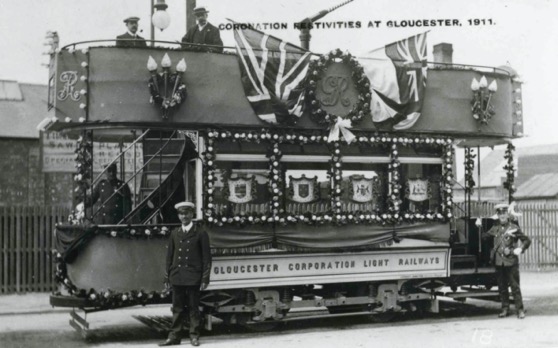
(482, 108)
(475, 85)
(493, 87)
(161, 18)
(151, 64)
(166, 62)
(483, 82)
(181, 66)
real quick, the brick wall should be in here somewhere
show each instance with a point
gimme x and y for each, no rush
(21, 179)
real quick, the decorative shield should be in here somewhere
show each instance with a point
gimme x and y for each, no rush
(241, 190)
(303, 189)
(418, 190)
(361, 189)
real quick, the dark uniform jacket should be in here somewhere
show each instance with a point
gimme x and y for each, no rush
(122, 41)
(504, 244)
(209, 35)
(112, 210)
(188, 256)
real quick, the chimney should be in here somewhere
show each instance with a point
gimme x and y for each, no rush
(443, 53)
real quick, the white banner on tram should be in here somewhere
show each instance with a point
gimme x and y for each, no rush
(276, 270)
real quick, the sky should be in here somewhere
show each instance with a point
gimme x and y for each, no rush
(522, 33)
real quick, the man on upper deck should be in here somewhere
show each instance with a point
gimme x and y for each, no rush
(203, 33)
(131, 37)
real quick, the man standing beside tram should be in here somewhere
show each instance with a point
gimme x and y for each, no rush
(509, 243)
(188, 268)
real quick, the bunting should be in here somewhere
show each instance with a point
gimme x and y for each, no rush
(397, 74)
(271, 71)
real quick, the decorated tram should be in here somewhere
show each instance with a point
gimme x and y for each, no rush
(325, 180)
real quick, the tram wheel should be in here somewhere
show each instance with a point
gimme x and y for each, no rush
(263, 326)
(382, 317)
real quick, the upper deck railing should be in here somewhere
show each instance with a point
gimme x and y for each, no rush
(107, 86)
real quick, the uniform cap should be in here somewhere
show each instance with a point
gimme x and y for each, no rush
(501, 207)
(200, 10)
(184, 205)
(131, 19)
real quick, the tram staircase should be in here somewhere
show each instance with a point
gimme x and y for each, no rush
(460, 250)
(164, 159)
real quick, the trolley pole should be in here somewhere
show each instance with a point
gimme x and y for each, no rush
(305, 25)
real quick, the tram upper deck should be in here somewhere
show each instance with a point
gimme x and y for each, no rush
(108, 86)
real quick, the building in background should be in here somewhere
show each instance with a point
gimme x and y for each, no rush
(536, 176)
(22, 181)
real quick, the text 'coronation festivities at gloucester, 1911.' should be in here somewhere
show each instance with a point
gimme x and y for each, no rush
(356, 24)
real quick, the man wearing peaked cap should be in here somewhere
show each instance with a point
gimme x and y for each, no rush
(114, 197)
(203, 33)
(188, 268)
(130, 38)
(509, 243)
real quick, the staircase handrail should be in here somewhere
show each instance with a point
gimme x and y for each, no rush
(138, 171)
(163, 184)
(118, 157)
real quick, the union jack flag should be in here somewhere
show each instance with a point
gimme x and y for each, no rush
(397, 75)
(271, 71)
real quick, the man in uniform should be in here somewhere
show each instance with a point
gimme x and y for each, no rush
(130, 38)
(188, 268)
(203, 33)
(114, 196)
(509, 243)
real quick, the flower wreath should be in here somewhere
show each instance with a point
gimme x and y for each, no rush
(316, 70)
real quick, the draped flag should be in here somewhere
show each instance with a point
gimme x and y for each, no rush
(397, 74)
(271, 70)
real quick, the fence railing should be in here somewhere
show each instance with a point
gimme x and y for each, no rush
(540, 222)
(26, 239)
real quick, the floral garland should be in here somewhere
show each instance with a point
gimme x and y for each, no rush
(107, 298)
(317, 68)
(510, 171)
(211, 215)
(209, 177)
(275, 180)
(84, 163)
(394, 199)
(469, 163)
(447, 180)
(335, 214)
(179, 93)
(335, 174)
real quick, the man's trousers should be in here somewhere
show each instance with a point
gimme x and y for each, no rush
(509, 277)
(182, 297)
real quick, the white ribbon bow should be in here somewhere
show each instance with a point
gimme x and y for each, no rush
(341, 126)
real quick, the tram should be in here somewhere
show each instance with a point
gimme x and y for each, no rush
(308, 211)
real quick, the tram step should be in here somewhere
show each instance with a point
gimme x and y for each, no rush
(463, 261)
(459, 249)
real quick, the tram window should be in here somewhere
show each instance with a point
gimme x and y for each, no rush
(421, 187)
(241, 188)
(307, 187)
(364, 187)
